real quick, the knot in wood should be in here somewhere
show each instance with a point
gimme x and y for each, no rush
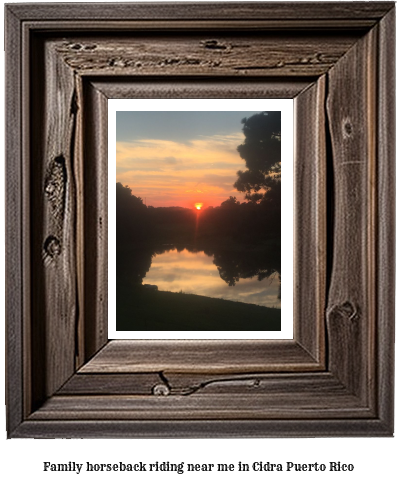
(213, 44)
(346, 310)
(347, 128)
(50, 189)
(52, 246)
(90, 47)
(161, 390)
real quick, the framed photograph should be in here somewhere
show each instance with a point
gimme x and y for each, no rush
(198, 236)
(78, 262)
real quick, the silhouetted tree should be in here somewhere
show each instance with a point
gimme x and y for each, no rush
(125, 198)
(230, 203)
(261, 151)
(131, 218)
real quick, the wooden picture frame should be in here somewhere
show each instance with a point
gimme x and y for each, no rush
(335, 378)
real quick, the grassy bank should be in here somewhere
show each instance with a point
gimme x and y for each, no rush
(145, 309)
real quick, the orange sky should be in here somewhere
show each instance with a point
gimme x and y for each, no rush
(181, 173)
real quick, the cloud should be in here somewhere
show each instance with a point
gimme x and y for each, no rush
(168, 172)
(170, 160)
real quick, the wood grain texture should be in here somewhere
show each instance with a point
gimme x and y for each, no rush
(351, 307)
(289, 395)
(316, 385)
(15, 235)
(268, 383)
(142, 428)
(310, 237)
(201, 407)
(78, 144)
(385, 174)
(54, 218)
(340, 26)
(306, 12)
(185, 384)
(241, 54)
(95, 332)
(177, 87)
(200, 356)
(111, 384)
(311, 204)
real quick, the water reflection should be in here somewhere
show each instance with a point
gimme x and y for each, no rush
(196, 273)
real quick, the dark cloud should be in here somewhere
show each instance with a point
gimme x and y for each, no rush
(171, 160)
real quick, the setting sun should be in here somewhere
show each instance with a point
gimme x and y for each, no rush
(198, 206)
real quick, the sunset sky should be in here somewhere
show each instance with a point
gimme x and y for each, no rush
(179, 158)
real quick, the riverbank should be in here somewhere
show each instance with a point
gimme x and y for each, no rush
(146, 309)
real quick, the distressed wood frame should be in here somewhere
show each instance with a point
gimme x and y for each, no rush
(64, 378)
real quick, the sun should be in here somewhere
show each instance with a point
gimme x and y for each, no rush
(198, 206)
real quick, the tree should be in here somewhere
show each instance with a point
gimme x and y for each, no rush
(261, 151)
(131, 217)
(230, 203)
(125, 198)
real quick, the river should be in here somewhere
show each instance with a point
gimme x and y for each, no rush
(195, 273)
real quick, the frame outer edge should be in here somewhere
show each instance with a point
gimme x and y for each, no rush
(201, 429)
(386, 220)
(304, 11)
(18, 238)
(14, 262)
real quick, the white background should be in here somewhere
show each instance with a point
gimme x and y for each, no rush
(287, 240)
(375, 459)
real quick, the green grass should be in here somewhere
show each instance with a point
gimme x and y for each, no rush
(140, 309)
